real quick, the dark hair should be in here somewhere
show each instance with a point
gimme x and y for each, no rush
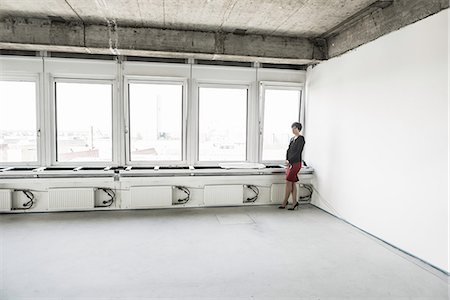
(297, 125)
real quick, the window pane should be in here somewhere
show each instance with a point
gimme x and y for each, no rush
(222, 124)
(281, 109)
(155, 121)
(83, 122)
(18, 141)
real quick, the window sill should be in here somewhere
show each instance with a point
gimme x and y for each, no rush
(54, 172)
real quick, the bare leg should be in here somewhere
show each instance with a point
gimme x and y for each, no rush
(294, 193)
(287, 192)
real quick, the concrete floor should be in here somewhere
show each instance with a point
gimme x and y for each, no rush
(204, 253)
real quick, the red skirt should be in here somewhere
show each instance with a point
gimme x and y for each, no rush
(292, 171)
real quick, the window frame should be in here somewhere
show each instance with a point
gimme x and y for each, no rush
(223, 85)
(275, 85)
(127, 118)
(36, 79)
(115, 147)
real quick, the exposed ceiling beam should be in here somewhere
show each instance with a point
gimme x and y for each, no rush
(380, 21)
(40, 34)
(380, 4)
(55, 34)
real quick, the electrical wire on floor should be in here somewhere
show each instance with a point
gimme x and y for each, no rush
(111, 194)
(31, 199)
(328, 204)
(186, 191)
(255, 190)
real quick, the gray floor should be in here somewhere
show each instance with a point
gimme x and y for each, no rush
(205, 253)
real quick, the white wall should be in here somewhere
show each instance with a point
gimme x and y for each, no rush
(377, 136)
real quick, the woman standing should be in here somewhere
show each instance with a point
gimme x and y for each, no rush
(294, 164)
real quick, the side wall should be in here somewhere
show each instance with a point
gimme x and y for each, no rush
(377, 137)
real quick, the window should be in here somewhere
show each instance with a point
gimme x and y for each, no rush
(281, 109)
(18, 124)
(222, 124)
(83, 121)
(156, 130)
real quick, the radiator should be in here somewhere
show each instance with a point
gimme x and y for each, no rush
(223, 195)
(5, 200)
(277, 191)
(151, 196)
(71, 199)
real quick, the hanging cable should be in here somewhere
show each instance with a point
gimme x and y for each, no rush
(186, 191)
(255, 190)
(111, 194)
(31, 199)
(307, 197)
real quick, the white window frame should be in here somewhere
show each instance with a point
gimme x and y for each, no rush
(274, 85)
(36, 78)
(196, 117)
(126, 108)
(114, 112)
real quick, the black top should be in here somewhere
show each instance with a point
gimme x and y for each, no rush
(294, 152)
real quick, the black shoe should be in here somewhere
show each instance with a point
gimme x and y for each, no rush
(283, 207)
(294, 207)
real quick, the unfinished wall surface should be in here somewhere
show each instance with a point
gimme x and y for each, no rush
(377, 136)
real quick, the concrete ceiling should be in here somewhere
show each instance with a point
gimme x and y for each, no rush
(264, 31)
(305, 18)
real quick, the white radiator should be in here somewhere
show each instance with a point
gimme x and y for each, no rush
(151, 196)
(73, 198)
(5, 200)
(277, 191)
(223, 195)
